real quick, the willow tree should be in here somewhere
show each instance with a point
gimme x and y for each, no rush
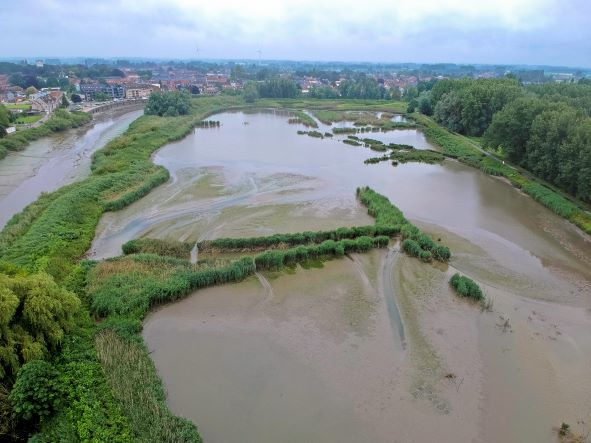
(34, 315)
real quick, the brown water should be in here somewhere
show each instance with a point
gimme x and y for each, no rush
(317, 354)
(54, 161)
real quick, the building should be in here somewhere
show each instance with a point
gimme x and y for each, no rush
(138, 91)
(90, 90)
(46, 101)
(39, 63)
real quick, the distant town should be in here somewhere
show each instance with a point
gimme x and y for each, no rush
(33, 89)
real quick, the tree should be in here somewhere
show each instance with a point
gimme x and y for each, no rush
(411, 93)
(30, 90)
(117, 73)
(278, 88)
(65, 102)
(448, 111)
(76, 98)
(34, 315)
(510, 127)
(101, 97)
(424, 103)
(168, 104)
(4, 120)
(250, 92)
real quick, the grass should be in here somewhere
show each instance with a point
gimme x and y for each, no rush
(366, 118)
(133, 379)
(397, 107)
(304, 119)
(21, 106)
(28, 119)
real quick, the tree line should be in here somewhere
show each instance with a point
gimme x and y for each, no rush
(360, 87)
(545, 129)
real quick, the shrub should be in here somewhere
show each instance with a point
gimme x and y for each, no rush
(411, 247)
(425, 256)
(156, 246)
(466, 287)
(35, 393)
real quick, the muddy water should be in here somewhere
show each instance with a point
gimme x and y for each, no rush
(412, 137)
(54, 161)
(319, 354)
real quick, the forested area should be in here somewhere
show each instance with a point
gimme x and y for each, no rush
(544, 128)
(169, 104)
(361, 87)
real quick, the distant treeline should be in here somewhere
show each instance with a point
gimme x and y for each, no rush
(361, 87)
(544, 128)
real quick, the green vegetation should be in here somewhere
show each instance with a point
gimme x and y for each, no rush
(21, 106)
(27, 119)
(461, 148)
(36, 391)
(276, 259)
(466, 287)
(386, 214)
(302, 118)
(59, 121)
(35, 314)
(351, 142)
(159, 247)
(545, 129)
(366, 119)
(133, 379)
(168, 104)
(6, 118)
(303, 238)
(52, 234)
(345, 130)
(404, 156)
(550, 138)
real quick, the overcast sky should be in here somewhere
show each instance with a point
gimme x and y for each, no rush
(552, 32)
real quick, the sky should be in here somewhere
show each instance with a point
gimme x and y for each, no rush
(549, 32)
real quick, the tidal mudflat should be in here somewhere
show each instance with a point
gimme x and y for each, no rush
(317, 353)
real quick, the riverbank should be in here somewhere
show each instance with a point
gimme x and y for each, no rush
(59, 121)
(56, 160)
(463, 149)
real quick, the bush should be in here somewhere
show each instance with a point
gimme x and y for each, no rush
(425, 256)
(159, 247)
(466, 287)
(411, 247)
(35, 393)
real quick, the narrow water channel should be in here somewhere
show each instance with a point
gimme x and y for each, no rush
(54, 161)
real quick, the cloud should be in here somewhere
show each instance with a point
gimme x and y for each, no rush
(503, 31)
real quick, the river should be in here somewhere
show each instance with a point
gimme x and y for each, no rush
(319, 354)
(54, 161)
